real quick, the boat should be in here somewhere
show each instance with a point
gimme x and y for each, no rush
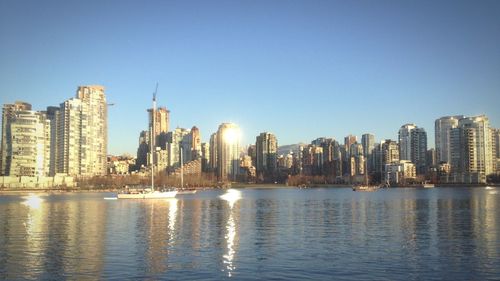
(149, 193)
(186, 191)
(365, 186)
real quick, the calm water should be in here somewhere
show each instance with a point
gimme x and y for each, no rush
(273, 234)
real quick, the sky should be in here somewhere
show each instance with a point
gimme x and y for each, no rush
(299, 69)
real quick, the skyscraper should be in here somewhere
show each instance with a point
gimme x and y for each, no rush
(266, 155)
(419, 149)
(8, 113)
(83, 133)
(443, 128)
(404, 139)
(213, 152)
(368, 142)
(228, 151)
(30, 144)
(162, 125)
(472, 150)
(413, 146)
(142, 150)
(54, 117)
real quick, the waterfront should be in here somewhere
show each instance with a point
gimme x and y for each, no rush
(247, 234)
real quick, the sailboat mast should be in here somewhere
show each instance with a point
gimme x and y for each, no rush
(153, 112)
(182, 170)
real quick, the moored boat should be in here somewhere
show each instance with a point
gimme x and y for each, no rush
(148, 193)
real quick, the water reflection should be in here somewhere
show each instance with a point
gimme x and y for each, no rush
(33, 201)
(281, 234)
(231, 197)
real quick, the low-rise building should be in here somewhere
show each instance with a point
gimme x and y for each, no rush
(400, 173)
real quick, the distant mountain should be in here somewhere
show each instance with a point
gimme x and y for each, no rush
(285, 149)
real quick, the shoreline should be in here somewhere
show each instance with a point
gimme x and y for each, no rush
(235, 185)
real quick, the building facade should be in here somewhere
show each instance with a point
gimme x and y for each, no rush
(472, 149)
(8, 114)
(266, 155)
(442, 129)
(83, 133)
(30, 144)
(228, 152)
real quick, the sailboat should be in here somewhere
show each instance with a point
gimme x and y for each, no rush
(365, 186)
(149, 193)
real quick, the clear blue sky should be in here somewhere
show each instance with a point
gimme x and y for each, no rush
(299, 69)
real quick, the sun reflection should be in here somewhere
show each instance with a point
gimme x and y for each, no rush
(33, 201)
(172, 215)
(231, 196)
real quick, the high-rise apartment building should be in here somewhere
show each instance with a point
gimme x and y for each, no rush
(142, 150)
(53, 116)
(83, 133)
(348, 141)
(213, 152)
(228, 151)
(496, 138)
(404, 139)
(368, 142)
(390, 152)
(266, 156)
(472, 150)
(8, 113)
(205, 157)
(30, 144)
(443, 128)
(413, 146)
(175, 139)
(162, 125)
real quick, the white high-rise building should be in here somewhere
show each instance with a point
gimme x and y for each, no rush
(228, 151)
(8, 113)
(472, 150)
(443, 128)
(404, 138)
(83, 133)
(30, 144)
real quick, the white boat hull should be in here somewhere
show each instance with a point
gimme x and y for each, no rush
(148, 195)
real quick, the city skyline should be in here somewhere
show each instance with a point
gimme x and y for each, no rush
(300, 70)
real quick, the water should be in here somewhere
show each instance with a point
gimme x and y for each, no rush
(254, 234)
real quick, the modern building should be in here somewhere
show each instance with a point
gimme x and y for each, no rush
(348, 141)
(418, 152)
(53, 116)
(472, 149)
(205, 157)
(83, 133)
(400, 173)
(413, 145)
(143, 150)
(213, 161)
(442, 129)
(162, 125)
(8, 114)
(368, 142)
(390, 152)
(266, 155)
(30, 144)
(404, 140)
(175, 139)
(228, 151)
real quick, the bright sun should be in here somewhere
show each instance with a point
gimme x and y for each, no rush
(231, 135)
